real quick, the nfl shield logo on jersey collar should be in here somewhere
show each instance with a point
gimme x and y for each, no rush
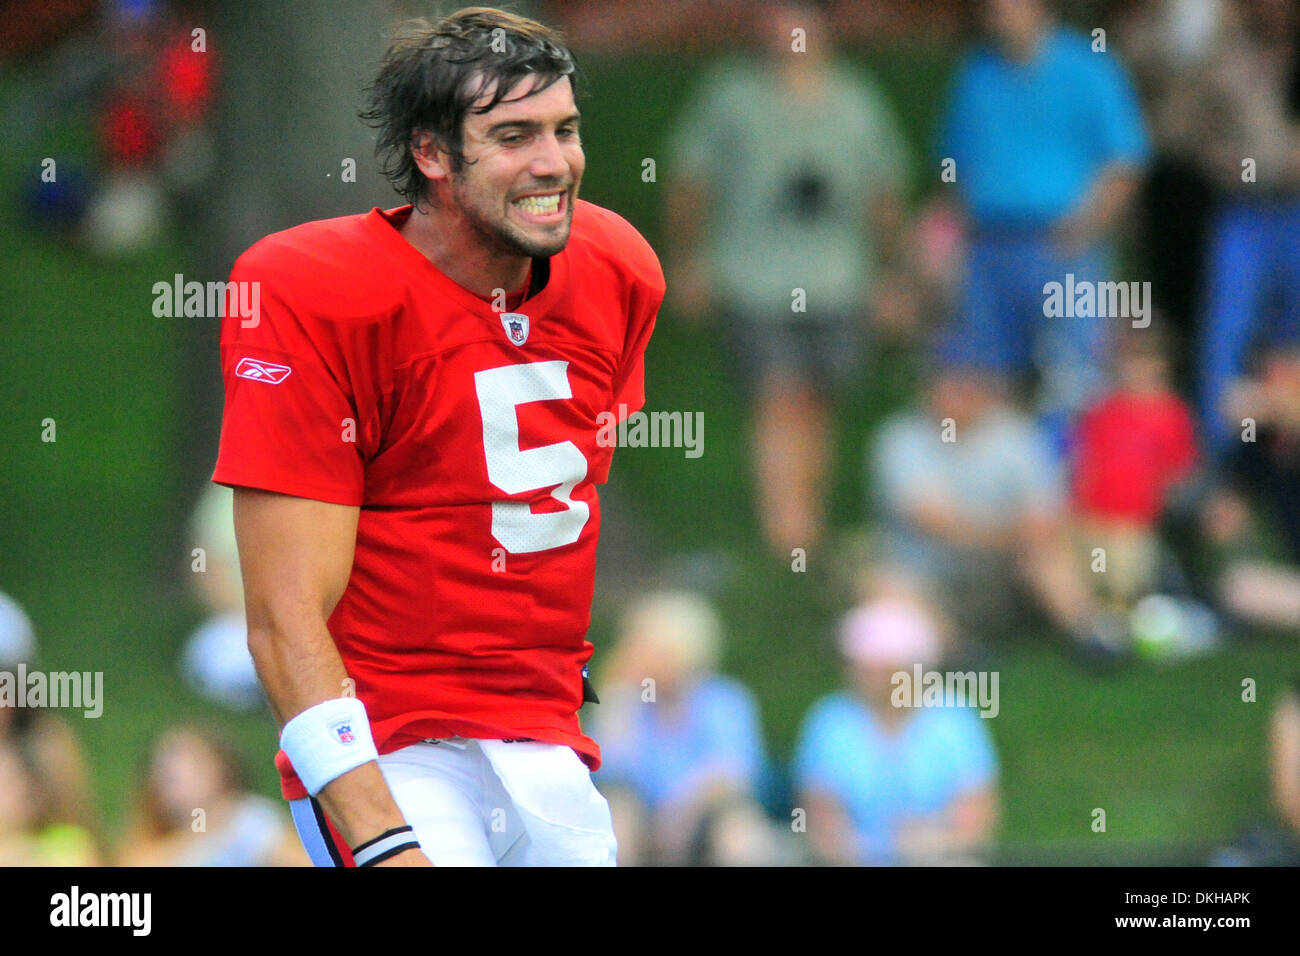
(516, 326)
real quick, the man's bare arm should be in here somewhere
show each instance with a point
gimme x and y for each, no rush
(1105, 205)
(296, 556)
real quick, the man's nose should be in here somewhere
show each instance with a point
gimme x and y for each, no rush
(549, 161)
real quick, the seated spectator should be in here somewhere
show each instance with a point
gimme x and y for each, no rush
(1275, 841)
(1270, 461)
(216, 661)
(26, 838)
(973, 504)
(48, 748)
(1258, 579)
(1284, 760)
(884, 784)
(196, 811)
(681, 745)
(1130, 448)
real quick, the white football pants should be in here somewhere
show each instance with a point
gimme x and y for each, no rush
(486, 803)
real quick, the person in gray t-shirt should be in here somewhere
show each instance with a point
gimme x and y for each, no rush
(972, 503)
(784, 179)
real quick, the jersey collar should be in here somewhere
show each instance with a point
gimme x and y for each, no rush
(384, 222)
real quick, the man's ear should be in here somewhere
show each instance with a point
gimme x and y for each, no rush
(434, 162)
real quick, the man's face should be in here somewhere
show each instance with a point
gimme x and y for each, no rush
(777, 21)
(874, 681)
(1014, 22)
(524, 161)
(962, 394)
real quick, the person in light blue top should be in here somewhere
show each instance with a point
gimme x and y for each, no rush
(681, 745)
(666, 753)
(886, 784)
(1044, 143)
(1032, 136)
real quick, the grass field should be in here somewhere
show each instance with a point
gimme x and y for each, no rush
(87, 523)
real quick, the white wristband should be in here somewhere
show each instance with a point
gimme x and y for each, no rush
(328, 740)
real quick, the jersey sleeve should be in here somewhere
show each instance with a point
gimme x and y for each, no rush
(292, 420)
(642, 289)
(646, 296)
(629, 387)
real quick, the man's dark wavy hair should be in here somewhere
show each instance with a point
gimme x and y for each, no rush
(433, 74)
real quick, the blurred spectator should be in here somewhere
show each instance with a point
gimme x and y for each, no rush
(1270, 463)
(153, 141)
(1284, 764)
(1168, 44)
(1131, 447)
(26, 837)
(1224, 106)
(1048, 144)
(884, 784)
(216, 661)
(936, 254)
(681, 746)
(1260, 579)
(1275, 842)
(195, 810)
(613, 27)
(786, 176)
(972, 502)
(146, 79)
(49, 751)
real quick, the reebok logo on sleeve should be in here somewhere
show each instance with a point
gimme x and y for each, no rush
(260, 371)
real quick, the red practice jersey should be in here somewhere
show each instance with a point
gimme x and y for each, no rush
(469, 439)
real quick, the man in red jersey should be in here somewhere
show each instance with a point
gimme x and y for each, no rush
(411, 429)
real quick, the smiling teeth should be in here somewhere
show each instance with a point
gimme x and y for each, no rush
(539, 205)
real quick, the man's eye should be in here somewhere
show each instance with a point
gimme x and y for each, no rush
(512, 140)
(569, 132)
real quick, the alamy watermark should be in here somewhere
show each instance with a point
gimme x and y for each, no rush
(922, 688)
(1085, 299)
(208, 300)
(133, 911)
(651, 430)
(74, 690)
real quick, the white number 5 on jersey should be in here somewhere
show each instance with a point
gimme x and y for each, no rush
(516, 471)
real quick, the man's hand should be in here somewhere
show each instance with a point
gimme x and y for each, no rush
(1106, 203)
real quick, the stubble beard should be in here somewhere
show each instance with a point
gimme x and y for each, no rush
(500, 237)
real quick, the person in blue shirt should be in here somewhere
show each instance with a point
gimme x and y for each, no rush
(1044, 143)
(681, 745)
(885, 784)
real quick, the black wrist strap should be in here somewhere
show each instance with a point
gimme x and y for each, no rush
(387, 844)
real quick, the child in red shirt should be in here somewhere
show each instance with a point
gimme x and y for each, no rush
(1131, 447)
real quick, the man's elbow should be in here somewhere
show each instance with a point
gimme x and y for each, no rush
(274, 628)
